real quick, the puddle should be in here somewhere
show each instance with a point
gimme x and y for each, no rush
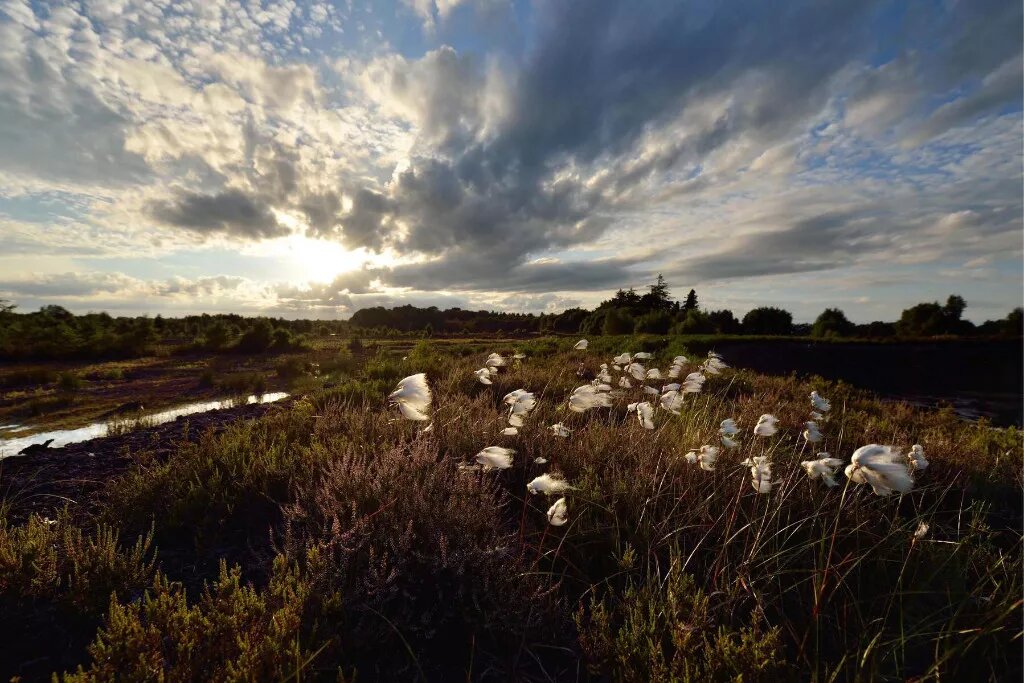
(62, 437)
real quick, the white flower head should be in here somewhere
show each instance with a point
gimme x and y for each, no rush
(558, 514)
(693, 383)
(819, 403)
(413, 397)
(561, 430)
(548, 484)
(811, 432)
(882, 468)
(760, 473)
(495, 360)
(587, 397)
(672, 401)
(916, 457)
(728, 427)
(484, 375)
(645, 413)
(708, 456)
(581, 345)
(823, 467)
(495, 458)
(766, 425)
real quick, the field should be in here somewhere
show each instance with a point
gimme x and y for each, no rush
(328, 538)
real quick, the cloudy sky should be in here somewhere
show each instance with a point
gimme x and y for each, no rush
(308, 159)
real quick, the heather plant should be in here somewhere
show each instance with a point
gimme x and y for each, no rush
(400, 557)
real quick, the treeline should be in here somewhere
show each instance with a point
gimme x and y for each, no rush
(656, 312)
(54, 333)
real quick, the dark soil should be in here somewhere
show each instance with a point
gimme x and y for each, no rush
(46, 481)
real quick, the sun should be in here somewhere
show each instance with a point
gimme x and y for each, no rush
(315, 260)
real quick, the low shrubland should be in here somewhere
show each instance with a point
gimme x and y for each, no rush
(334, 540)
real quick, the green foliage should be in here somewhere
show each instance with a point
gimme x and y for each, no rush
(664, 630)
(832, 323)
(768, 320)
(656, 322)
(69, 382)
(234, 632)
(56, 561)
(617, 321)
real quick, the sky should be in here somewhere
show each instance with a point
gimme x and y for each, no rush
(307, 159)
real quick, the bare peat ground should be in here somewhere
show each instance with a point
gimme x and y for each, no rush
(47, 480)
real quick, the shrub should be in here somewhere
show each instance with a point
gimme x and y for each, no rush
(234, 632)
(664, 630)
(69, 382)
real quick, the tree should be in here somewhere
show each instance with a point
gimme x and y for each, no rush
(696, 322)
(655, 322)
(724, 322)
(257, 338)
(832, 323)
(691, 302)
(617, 322)
(768, 320)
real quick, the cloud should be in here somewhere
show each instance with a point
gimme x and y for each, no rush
(230, 212)
(594, 147)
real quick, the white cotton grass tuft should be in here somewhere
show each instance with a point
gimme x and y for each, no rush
(520, 403)
(495, 458)
(495, 360)
(916, 458)
(729, 443)
(651, 391)
(819, 403)
(637, 371)
(581, 345)
(484, 375)
(643, 355)
(672, 401)
(708, 456)
(922, 530)
(558, 514)
(823, 467)
(714, 364)
(675, 386)
(654, 373)
(760, 473)
(519, 356)
(625, 383)
(691, 456)
(693, 383)
(623, 359)
(766, 425)
(728, 427)
(815, 415)
(548, 484)
(588, 397)
(509, 431)
(882, 468)
(811, 432)
(559, 429)
(645, 413)
(412, 397)
(540, 461)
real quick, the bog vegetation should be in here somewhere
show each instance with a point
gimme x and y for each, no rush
(531, 515)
